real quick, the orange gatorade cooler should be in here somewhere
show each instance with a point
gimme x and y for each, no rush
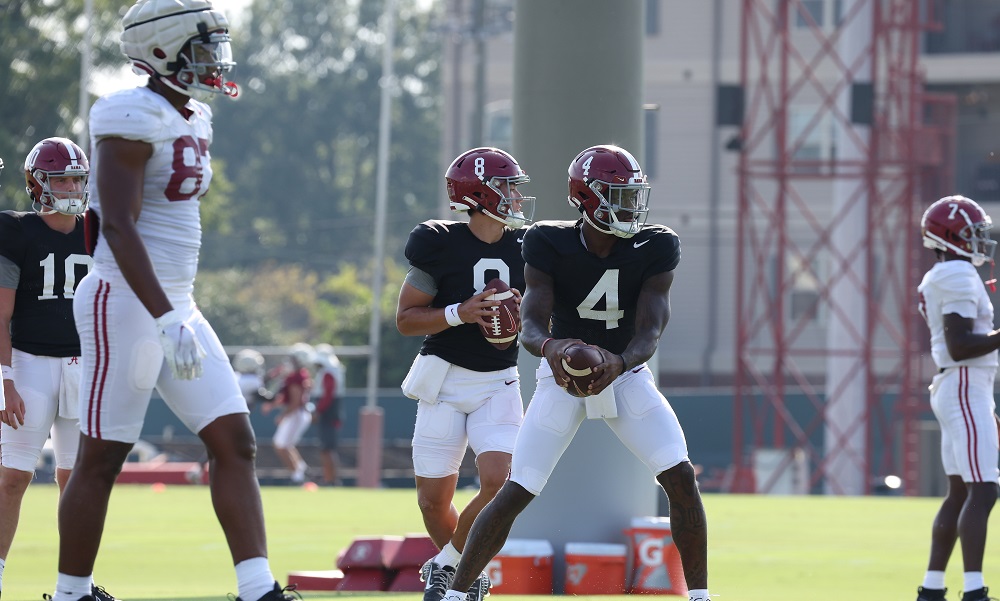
(522, 567)
(654, 565)
(595, 569)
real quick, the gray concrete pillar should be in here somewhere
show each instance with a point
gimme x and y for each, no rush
(578, 81)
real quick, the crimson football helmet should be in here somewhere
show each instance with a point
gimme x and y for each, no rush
(607, 185)
(958, 225)
(482, 179)
(57, 158)
(185, 43)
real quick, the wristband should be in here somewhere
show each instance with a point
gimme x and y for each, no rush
(451, 315)
(8, 372)
(624, 364)
(542, 349)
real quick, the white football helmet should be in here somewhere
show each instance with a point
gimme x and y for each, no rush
(248, 361)
(325, 355)
(183, 42)
(302, 354)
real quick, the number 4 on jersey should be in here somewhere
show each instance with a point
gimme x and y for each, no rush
(606, 288)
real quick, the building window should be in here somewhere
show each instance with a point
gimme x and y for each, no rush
(499, 128)
(825, 14)
(650, 115)
(810, 137)
(803, 294)
(799, 287)
(652, 17)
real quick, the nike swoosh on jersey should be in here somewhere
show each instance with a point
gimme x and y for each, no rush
(638, 244)
(520, 240)
(509, 383)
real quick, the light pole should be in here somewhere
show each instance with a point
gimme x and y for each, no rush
(371, 417)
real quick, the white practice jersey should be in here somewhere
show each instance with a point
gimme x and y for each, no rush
(177, 175)
(955, 287)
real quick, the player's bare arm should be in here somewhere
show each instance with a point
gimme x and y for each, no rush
(536, 312)
(963, 343)
(13, 415)
(120, 174)
(651, 317)
(416, 317)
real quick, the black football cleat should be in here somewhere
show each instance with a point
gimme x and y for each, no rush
(480, 588)
(981, 594)
(931, 594)
(437, 580)
(279, 594)
(98, 593)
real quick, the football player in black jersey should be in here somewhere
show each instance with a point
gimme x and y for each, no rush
(468, 390)
(42, 258)
(605, 281)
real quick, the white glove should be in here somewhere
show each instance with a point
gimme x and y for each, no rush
(180, 346)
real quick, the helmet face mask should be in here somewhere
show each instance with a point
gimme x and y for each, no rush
(513, 210)
(958, 225)
(183, 43)
(486, 180)
(56, 173)
(608, 187)
(205, 64)
(623, 212)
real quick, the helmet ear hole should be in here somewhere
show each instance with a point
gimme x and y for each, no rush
(159, 53)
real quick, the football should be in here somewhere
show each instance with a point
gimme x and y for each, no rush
(580, 367)
(506, 319)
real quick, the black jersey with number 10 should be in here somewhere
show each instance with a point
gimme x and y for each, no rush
(595, 298)
(51, 265)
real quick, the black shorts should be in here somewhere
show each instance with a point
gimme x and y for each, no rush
(327, 433)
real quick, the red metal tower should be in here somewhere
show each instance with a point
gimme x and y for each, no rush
(840, 150)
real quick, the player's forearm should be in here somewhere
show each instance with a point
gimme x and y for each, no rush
(6, 346)
(133, 260)
(641, 348)
(422, 321)
(969, 346)
(533, 335)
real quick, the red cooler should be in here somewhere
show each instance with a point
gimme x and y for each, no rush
(522, 567)
(654, 565)
(595, 569)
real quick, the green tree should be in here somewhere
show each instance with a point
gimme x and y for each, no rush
(300, 142)
(40, 76)
(282, 305)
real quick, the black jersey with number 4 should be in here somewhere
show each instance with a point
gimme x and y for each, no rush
(51, 265)
(595, 298)
(461, 265)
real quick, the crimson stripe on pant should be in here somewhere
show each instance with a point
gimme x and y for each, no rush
(101, 359)
(972, 442)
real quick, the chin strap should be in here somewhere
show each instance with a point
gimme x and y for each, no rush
(992, 282)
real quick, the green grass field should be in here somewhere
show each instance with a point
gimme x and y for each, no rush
(167, 545)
